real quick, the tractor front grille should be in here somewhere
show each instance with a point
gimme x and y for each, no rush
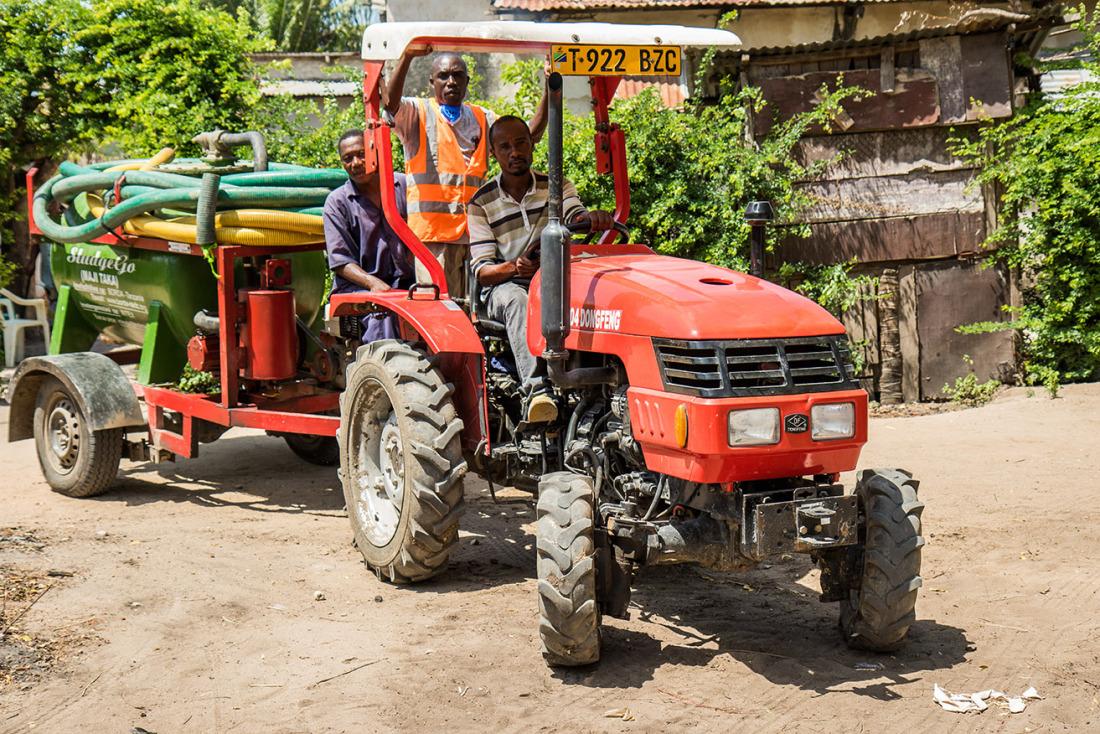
(750, 367)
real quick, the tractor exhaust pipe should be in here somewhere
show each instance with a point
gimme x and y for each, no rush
(758, 214)
(555, 238)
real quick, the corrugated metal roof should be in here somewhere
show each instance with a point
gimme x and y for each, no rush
(264, 56)
(672, 90)
(537, 5)
(311, 88)
(1039, 20)
(1055, 83)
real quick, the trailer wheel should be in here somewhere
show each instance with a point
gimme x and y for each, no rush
(876, 616)
(76, 461)
(569, 617)
(319, 450)
(401, 461)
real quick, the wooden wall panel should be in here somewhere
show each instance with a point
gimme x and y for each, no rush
(943, 58)
(861, 323)
(882, 153)
(987, 76)
(885, 240)
(892, 196)
(952, 294)
(912, 103)
(907, 331)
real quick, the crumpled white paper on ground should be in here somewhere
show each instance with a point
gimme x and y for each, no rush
(965, 703)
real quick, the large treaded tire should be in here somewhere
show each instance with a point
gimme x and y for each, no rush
(877, 614)
(401, 461)
(569, 617)
(76, 461)
(319, 450)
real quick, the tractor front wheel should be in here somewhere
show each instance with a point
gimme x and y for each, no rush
(569, 617)
(401, 461)
(76, 460)
(877, 614)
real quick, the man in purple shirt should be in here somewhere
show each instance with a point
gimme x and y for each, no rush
(364, 252)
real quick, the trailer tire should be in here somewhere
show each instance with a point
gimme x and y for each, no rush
(878, 612)
(401, 461)
(569, 616)
(319, 450)
(76, 461)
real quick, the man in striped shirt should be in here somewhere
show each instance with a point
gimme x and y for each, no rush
(505, 217)
(445, 158)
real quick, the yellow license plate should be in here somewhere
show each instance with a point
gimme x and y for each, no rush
(578, 60)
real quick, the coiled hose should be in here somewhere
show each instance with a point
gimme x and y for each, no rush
(277, 207)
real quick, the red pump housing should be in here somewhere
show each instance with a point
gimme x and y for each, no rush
(267, 335)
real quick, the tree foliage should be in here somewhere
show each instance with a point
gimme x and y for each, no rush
(157, 72)
(306, 25)
(128, 76)
(39, 96)
(1047, 161)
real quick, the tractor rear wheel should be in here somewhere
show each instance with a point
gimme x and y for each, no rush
(319, 450)
(877, 614)
(401, 461)
(569, 617)
(76, 461)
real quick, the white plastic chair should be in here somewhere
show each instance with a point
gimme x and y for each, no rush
(14, 325)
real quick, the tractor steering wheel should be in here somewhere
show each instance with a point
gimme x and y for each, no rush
(585, 227)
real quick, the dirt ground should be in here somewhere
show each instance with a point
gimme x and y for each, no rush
(192, 605)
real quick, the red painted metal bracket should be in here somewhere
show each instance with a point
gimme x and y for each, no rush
(610, 148)
(380, 145)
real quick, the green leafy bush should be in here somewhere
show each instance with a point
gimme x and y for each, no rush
(1047, 161)
(194, 381)
(831, 286)
(155, 73)
(38, 95)
(125, 77)
(294, 25)
(968, 391)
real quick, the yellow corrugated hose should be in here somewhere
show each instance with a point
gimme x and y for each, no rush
(249, 227)
(164, 156)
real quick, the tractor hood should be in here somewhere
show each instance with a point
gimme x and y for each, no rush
(657, 296)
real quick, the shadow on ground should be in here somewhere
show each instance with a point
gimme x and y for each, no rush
(765, 620)
(258, 473)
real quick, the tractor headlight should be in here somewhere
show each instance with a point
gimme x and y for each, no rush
(832, 420)
(756, 427)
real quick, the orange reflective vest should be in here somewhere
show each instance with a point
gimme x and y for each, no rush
(440, 181)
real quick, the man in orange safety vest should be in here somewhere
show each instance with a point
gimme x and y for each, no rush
(446, 159)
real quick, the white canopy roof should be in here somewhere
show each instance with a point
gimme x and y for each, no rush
(387, 41)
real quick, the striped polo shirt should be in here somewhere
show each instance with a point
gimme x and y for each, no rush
(501, 228)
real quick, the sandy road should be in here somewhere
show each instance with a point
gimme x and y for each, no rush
(200, 611)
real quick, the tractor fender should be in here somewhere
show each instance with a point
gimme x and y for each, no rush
(448, 332)
(439, 321)
(106, 396)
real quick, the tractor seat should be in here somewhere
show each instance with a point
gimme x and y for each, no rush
(484, 325)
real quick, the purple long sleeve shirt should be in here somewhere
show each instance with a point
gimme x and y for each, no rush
(356, 233)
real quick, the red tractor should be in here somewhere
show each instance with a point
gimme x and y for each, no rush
(707, 413)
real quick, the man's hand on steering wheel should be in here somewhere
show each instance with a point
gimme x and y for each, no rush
(597, 221)
(526, 268)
